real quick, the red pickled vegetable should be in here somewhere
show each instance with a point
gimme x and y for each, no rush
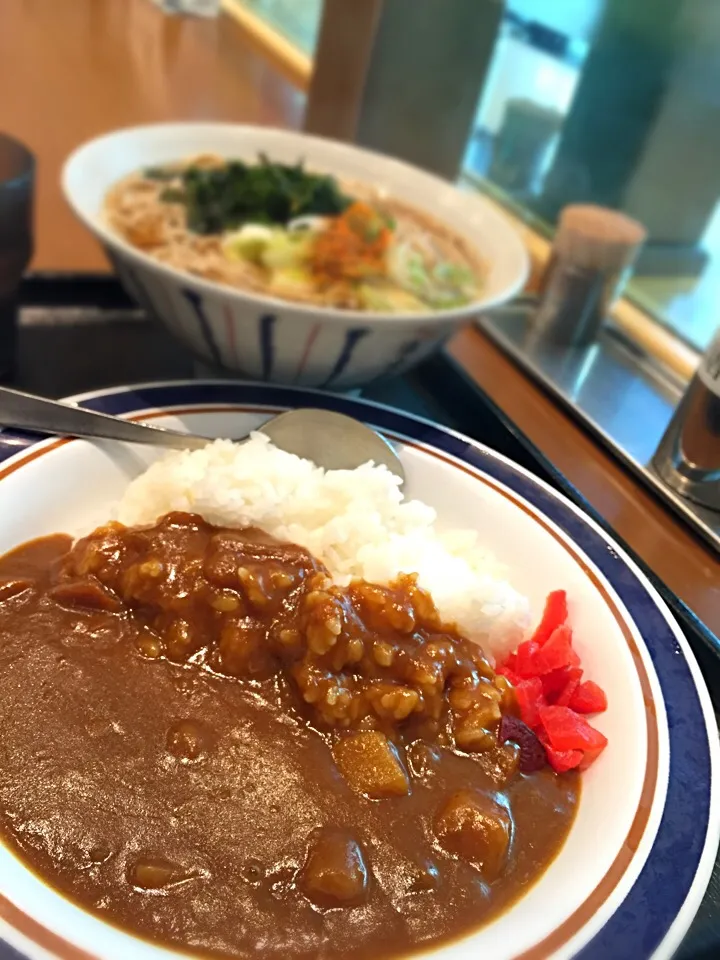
(554, 615)
(525, 662)
(573, 683)
(556, 681)
(567, 730)
(530, 698)
(551, 695)
(588, 698)
(563, 760)
(556, 652)
(590, 756)
(532, 753)
(560, 760)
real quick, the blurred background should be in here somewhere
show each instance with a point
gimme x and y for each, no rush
(594, 100)
(572, 100)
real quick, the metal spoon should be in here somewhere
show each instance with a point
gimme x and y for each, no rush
(331, 440)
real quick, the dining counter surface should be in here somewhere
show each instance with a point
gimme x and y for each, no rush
(107, 65)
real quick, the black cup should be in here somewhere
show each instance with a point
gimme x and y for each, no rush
(17, 177)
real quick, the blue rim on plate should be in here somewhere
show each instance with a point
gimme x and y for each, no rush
(658, 909)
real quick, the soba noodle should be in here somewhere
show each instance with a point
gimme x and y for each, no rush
(139, 210)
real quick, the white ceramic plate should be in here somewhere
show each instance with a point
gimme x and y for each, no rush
(638, 858)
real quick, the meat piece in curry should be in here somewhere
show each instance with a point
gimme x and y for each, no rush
(207, 742)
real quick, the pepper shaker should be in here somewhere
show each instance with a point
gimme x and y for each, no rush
(591, 260)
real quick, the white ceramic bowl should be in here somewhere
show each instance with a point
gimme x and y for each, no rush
(637, 859)
(274, 340)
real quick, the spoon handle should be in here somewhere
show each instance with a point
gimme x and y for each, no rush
(29, 412)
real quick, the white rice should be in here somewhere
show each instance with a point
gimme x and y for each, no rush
(356, 521)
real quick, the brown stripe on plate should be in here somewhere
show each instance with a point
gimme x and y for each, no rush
(38, 934)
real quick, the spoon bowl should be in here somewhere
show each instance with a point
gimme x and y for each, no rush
(331, 440)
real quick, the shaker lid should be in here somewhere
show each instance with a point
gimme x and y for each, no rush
(597, 237)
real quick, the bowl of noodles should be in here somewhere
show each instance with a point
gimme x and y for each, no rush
(290, 258)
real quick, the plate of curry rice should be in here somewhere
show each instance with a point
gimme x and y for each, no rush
(249, 707)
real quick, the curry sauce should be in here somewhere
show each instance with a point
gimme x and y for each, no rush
(206, 742)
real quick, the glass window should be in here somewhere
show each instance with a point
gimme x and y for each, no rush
(296, 20)
(617, 103)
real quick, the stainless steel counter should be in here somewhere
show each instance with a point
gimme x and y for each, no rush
(619, 393)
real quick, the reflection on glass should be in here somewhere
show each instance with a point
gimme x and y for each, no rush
(615, 103)
(297, 20)
(528, 92)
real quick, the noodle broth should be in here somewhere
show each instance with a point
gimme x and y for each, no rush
(307, 238)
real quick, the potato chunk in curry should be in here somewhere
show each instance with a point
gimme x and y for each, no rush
(475, 827)
(335, 874)
(371, 765)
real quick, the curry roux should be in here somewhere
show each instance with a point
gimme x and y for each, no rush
(205, 742)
